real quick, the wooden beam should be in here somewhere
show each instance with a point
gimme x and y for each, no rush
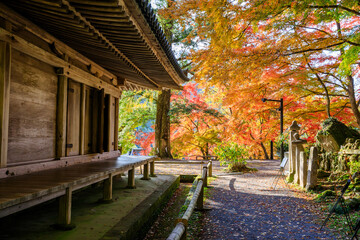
(120, 55)
(132, 9)
(5, 69)
(8, 13)
(82, 119)
(61, 116)
(97, 3)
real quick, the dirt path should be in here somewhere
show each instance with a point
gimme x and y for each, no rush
(244, 207)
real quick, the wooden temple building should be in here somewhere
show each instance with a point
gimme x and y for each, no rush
(63, 66)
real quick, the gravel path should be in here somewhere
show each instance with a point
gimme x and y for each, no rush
(244, 207)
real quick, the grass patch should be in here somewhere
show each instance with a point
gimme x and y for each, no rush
(339, 224)
(326, 193)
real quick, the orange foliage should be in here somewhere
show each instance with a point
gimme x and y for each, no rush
(248, 50)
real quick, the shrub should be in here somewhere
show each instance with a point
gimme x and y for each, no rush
(232, 155)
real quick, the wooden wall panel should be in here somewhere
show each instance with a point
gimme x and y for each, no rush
(33, 90)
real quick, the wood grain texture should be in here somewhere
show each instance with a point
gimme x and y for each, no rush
(108, 188)
(82, 118)
(30, 148)
(112, 124)
(101, 121)
(5, 70)
(70, 71)
(89, 126)
(17, 191)
(95, 120)
(65, 207)
(73, 119)
(107, 122)
(32, 114)
(61, 116)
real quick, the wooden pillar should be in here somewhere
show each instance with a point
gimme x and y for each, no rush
(108, 140)
(152, 169)
(116, 127)
(64, 221)
(61, 111)
(5, 69)
(146, 172)
(101, 121)
(82, 119)
(131, 178)
(108, 187)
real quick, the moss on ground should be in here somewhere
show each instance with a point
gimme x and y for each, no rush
(165, 223)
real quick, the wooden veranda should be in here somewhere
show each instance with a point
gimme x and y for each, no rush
(21, 192)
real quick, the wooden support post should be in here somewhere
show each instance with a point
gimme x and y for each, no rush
(152, 169)
(82, 119)
(116, 128)
(204, 176)
(61, 111)
(108, 187)
(101, 121)
(131, 178)
(5, 69)
(210, 168)
(146, 172)
(64, 221)
(200, 200)
(108, 123)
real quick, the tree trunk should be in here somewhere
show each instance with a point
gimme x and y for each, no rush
(162, 125)
(265, 152)
(353, 103)
(350, 85)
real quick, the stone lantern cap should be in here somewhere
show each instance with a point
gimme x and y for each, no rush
(294, 126)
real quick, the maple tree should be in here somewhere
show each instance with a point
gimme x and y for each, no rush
(195, 125)
(305, 52)
(136, 120)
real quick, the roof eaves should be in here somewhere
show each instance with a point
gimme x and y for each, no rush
(154, 24)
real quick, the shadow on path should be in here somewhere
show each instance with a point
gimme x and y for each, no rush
(231, 184)
(244, 207)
